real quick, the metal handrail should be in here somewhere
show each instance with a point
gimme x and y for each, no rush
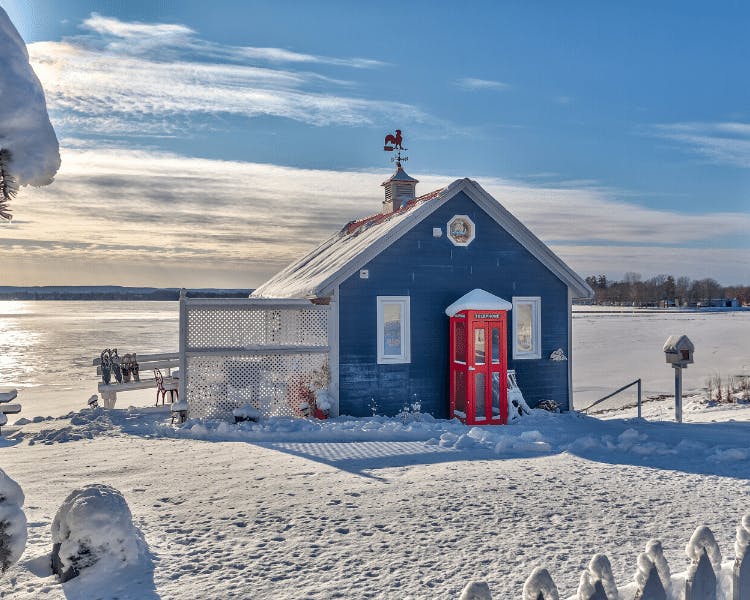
(617, 391)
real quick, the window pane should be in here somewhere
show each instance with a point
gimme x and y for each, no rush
(460, 341)
(392, 329)
(479, 399)
(495, 345)
(460, 383)
(524, 327)
(479, 346)
(496, 395)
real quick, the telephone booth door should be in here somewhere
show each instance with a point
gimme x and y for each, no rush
(479, 367)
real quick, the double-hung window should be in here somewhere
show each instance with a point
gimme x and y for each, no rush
(394, 344)
(527, 327)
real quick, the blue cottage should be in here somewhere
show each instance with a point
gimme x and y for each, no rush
(389, 279)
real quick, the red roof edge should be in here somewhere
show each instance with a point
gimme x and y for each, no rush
(365, 222)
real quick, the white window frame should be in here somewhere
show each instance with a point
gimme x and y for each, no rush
(536, 326)
(405, 356)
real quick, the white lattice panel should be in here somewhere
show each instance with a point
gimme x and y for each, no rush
(275, 384)
(252, 352)
(237, 326)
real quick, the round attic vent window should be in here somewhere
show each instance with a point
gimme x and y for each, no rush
(461, 230)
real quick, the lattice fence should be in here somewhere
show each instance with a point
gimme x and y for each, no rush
(653, 579)
(263, 352)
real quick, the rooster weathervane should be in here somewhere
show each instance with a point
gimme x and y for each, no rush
(395, 142)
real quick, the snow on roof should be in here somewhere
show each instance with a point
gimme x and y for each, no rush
(675, 343)
(25, 128)
(358, 242)
(400, 175)
(477, 300)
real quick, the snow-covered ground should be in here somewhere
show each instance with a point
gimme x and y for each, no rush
(391, 508)
(379, 508)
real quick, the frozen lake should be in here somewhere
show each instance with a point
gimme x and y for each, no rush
(47, 348)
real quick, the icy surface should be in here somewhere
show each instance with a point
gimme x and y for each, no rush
(477, 299)
(25, 128)
(94, 526)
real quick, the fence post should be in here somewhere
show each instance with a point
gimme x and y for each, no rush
(639, 398)
(652, 576)
(701, 580)
(597, 581)
(182, 392)
(741, 570)
(476, 590)
(540, 586)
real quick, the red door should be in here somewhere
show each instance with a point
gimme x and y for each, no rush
(479, 368)
(487, 385)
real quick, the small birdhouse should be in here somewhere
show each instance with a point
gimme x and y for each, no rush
(678, 350)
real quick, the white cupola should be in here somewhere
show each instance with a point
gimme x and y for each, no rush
(400, 188)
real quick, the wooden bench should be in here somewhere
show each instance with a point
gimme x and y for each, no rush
(146, 362)
(8, 409)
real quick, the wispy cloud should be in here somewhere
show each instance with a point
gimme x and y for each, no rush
(149, 79)
(725, 143)
(135, 37)
(473, 84)
(197, 222)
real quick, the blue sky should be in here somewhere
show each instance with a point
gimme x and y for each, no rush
(620, 133)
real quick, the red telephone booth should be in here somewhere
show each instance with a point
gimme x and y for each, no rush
(478, 359)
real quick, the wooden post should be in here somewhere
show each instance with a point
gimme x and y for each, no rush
(678, 393)
(741, 569)
(639, 398)
(182, 392)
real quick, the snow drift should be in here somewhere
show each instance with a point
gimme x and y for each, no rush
(12, 522)
(25, 128)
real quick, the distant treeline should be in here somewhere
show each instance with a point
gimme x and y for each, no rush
(665, 290)
(113, 293)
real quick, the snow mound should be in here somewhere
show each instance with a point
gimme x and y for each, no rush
(540, 582)
(12, 522)
(84, 425)
(25, 128)
(476, 590)
(247, 412)
(94, 529)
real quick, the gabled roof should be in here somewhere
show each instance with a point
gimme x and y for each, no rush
(344, 253)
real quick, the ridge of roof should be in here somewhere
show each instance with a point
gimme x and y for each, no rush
(341, 255)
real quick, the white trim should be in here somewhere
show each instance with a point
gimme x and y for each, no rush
(570, 349)
(536, 327)
(333, 350)
(472, 233)
(405, 356)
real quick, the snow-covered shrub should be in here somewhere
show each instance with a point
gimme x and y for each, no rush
(476, 590)
(12, 522)
(94, 527)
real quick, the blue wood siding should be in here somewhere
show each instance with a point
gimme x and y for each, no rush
(434, 273)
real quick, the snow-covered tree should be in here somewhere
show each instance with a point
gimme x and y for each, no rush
(29, 151)
(12, 523)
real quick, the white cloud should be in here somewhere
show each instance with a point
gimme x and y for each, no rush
(473, 83)
(722, 143)
(160, 79)
(137, 217)
(137, 37)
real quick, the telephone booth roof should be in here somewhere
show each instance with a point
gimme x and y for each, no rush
(477, 300)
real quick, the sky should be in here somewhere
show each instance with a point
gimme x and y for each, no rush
(210, 144)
